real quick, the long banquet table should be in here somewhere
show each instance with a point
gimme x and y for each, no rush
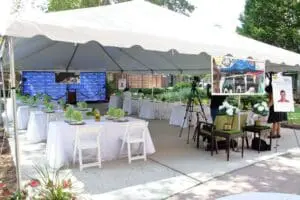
(61, 137)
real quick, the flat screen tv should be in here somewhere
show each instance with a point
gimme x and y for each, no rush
(67, 78)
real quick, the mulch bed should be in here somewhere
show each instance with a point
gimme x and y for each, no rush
(7, 170)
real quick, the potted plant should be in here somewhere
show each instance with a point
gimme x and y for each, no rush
(62, 103)
(68, 113)
(47, 99)
(32, 101)
(49, 108)
(229, 111)
(261, 109)
(76, 116)
(82, 106)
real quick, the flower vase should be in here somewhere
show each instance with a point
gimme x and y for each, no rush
(97, 117)
(257, 122)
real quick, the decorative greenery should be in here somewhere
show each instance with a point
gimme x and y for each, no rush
(62, 101)
(32, 101)
(93, 112)
(49, 107)
(47, 99)
(68, 113)
(82, 105)
(76, 116)
(116, 113)
(227, 109)
(261, 109)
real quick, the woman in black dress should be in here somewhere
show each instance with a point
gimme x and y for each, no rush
(274, 117)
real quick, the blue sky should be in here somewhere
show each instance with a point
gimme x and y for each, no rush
(218, 12)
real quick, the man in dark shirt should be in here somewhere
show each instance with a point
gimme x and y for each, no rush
(216, 102)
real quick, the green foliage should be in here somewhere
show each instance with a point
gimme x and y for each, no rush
(49, 107)
(249, 101)
(180, 6)
(111, 87)
(275, 22)
(76, 116)
(32, 101)
(82, 105)
(62, 101)
(47, 99)
(68, 113)
(178, 86)
(116, 112)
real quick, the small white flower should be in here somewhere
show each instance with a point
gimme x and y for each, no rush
(260, 108)
(264, 104)
(221, 107)
(226, 104)
(229, 112)
(256, 105)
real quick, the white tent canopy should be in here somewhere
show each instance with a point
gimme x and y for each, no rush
(132, 36)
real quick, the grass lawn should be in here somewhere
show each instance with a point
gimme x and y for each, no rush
(294, 118)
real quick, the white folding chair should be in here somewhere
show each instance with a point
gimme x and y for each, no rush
(87, 137)
(135, 134)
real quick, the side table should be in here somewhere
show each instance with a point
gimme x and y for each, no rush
(259, 130)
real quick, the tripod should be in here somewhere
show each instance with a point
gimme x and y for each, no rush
(190, 109)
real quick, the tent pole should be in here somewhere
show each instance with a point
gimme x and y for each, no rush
(3, 85)
(13, 96)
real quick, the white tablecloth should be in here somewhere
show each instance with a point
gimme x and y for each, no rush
(37, 125)
(179, 111)
(147, 110)
(61, 137)
(23, 116)
(115, 102)
(261, 196)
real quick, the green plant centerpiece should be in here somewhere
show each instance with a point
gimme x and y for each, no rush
(49, 108)
(32, 101)
(82, 106)
(260, 110)
(62, 103)
(230, 111)
(76, 116)
(115, 113)
(68, 113)
(46, 99)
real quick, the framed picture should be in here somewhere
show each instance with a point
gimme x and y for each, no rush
(283, 93)
(121, 84)
(236, 76)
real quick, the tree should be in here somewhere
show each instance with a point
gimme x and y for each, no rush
(275, 22)
(181, 6)
(22, 6)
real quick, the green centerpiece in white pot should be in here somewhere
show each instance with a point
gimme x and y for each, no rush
(83, 106)
(230, 111)
(32, 101)
(116, 114)
(260, 110)
(49, 108)
(68, 113)
(76, 117)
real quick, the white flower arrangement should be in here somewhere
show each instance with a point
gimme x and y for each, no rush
(227, 109)
(261, 109)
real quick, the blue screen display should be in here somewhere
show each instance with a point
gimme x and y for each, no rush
(92, 85)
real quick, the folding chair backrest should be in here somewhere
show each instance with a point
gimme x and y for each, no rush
(136, 130)
(88, 131)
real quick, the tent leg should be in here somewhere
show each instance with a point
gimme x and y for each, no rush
(3, 87)
(13, 96)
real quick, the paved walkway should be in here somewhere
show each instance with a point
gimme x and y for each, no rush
(280, 174)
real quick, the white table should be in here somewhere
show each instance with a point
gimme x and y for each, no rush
(23, 117)
(261, 196)
(148, 109)
(61, 137)
(178, 113)
(38, 124)
(115, 102)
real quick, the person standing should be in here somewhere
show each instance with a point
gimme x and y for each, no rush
(274, 117)
(215, 103)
